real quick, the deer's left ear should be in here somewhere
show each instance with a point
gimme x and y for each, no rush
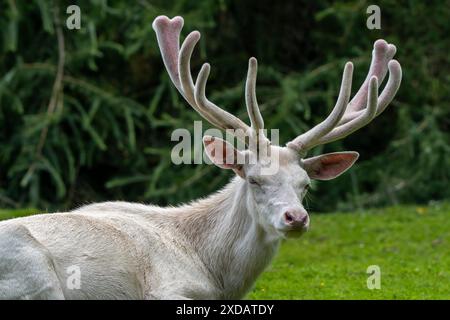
(329, 166)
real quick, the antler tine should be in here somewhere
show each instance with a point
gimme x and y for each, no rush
(168, 36)
(367, 115)
(177, 63)
(227, 120)
(308, 139)
(374, 107)
(184, 66)
(185, 77)
(382, 53)
(256, 120)
(392, 86)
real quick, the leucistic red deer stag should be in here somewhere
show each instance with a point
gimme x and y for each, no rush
(213, 248)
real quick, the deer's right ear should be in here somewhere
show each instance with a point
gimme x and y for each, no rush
(224, 155)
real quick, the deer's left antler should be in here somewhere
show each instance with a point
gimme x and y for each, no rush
(347, 117)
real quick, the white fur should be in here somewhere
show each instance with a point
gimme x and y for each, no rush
(213, 248)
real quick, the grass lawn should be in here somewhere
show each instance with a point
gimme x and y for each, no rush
(411, 245)
(8, 213)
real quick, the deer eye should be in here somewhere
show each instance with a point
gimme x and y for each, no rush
(253, 181)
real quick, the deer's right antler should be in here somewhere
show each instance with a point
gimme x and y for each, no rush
(177, 63)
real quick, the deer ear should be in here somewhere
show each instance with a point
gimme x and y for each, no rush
(329, 166)
(224, 155)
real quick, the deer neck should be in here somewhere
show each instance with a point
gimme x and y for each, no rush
(232, 244)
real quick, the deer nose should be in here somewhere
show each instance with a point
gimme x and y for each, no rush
(296, 218)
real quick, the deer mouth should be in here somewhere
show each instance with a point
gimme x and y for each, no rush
(296, 232)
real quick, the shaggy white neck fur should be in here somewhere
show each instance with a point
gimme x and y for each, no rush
(227, 236)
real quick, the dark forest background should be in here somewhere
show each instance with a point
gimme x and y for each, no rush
(103, 131)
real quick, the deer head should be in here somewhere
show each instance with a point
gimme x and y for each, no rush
(277, 197)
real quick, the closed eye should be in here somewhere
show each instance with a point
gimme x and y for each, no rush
(253, 181)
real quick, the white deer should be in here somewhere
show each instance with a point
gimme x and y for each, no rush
(213, 248)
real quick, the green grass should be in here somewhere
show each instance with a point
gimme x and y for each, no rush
(411, 245)
(15, 213)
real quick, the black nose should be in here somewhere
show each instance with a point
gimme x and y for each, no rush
(296, 218)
